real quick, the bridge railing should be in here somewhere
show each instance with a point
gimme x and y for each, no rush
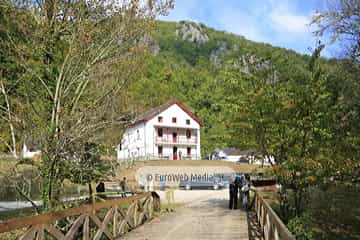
(111, 218)
(271, 225)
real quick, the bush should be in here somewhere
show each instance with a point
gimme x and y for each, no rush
(301, 227)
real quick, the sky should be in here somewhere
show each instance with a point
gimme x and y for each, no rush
(283, 23)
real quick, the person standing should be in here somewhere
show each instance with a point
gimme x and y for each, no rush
(231, 194)
(245, 189)
(233, 190)
(241, 184)
(123, 187)
(170, 197)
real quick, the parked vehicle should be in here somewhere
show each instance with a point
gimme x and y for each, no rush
(214, 182)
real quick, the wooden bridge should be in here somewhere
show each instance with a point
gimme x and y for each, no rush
(133, 218)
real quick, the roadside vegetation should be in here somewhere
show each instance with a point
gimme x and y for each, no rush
(74, 74)
(63, 65)
(331, 213)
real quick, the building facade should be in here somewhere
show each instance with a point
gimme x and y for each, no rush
(30, 148)
(245, 156)
(169, 131)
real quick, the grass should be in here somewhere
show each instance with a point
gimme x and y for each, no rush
(6, 163)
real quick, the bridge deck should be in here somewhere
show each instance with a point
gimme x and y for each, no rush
(205, 218)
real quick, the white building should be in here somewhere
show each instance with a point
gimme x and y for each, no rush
(228, 154)
(247, 156)
(169, 131)
(30, 148)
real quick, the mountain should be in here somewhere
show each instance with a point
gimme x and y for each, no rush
(188, 61)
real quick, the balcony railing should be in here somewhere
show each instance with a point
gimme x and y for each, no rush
(171, 157)
(176, 140)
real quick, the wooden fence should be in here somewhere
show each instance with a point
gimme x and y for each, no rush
(111, 218)
(271, 225)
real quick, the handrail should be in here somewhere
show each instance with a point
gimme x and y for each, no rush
(271, 225)
(140, 208)
(178, 140)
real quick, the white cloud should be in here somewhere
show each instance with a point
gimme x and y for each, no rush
(284, 19)
(239, 22)
(289, 23)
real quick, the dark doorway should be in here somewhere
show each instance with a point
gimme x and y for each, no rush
(174, 137)
(174, 153)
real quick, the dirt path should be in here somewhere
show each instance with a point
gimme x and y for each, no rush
(205, 218)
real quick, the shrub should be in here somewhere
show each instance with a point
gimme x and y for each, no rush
(301, 227)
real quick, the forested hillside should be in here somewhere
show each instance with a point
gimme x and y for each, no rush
(194, 63)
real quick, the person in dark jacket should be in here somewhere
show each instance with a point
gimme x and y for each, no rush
(233, 190)
(100, 188)
(123, 187)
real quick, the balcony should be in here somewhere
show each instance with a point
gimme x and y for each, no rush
(178, 140)
(171, 157)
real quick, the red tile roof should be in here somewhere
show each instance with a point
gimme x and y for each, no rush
(155, 111)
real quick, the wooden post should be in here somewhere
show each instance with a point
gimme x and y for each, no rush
(135, 213)
(271, 225)
(86, 228)
(38, 227)
(276, 234)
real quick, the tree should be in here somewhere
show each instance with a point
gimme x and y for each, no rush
(89, 167)
(13, 26)
(7, 116)
(342, 22)
(77, 64)
(285, 116)
(250, 106)
(303, 134)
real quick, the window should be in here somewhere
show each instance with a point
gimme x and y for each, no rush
(174, 119)
(160, 132)
(138, 134)
(120, 146)
(188, 150)
(187, 121)
(160, 150)
(188, 133)
(160, 119)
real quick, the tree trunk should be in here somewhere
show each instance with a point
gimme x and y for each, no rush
(91, 193)
(45, 193)
(48, 176)
(9, 119)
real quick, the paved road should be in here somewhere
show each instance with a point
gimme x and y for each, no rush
(206, 217)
